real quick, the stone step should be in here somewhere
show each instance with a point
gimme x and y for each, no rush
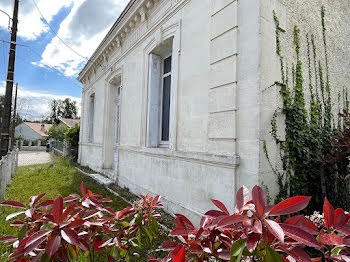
(100, 179)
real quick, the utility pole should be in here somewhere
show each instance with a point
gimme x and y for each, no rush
(5, 130)
(14, 120)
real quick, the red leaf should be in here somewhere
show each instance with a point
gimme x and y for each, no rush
(300, 235)
(299, 255)
(35, 244)
(8, 239)
(242, 197)
(340, 218)
(11, 203)
(169, 245)
(57, 209)
(83, 188)
(33, 200)
(45, 203)
(304, 223)
(70, 236)
(96, 244)
(68, 210)
(290, 205)
(90, 193)
(84, 246)
(195, 249)
(214, 213)
(259, 200)
(71, 198)
(37, 235)
(330, 239)
(53, 245)
(231, 220)
(275, 229)
(181, 255)
(14, 215)
(180, 231)
(252, 241)
(328, 211)
(184, 220)
(220, 205)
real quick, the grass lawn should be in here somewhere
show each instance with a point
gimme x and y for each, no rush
(62, 179)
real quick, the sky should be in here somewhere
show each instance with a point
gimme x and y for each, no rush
(49, 58)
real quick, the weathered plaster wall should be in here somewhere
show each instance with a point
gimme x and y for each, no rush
(201, 161)
(26, 132)
(307, 15)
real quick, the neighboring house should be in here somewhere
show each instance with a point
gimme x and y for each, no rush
(32, 131)
(69, 122)
(178, 98)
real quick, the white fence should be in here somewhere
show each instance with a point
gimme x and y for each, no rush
(32, 146)
(8, 166)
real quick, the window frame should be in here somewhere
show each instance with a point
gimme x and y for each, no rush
(92, 102)
(165, 143)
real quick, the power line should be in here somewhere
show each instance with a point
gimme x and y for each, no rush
(38, 55)
(56, 34)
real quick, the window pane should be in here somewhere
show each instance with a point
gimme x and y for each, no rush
(167, 65)
(166, 108)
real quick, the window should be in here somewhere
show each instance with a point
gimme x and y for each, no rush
(166, 91)
(159, 96)
(91, 117)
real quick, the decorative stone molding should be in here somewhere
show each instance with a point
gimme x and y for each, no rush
(131, 28)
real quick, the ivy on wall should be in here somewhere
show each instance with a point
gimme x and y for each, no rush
(310, 128)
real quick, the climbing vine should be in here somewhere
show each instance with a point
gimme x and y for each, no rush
(309, 131)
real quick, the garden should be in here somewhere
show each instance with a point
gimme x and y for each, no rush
(77, 220)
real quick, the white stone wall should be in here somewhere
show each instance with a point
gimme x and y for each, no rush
(202, 159)
(26, 132)
(307, 15)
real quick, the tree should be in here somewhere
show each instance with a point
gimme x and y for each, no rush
(58, 132)
(69, 108)
(66, 108)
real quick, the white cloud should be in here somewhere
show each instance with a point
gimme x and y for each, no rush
(30, 24)
(34, 105)
(83, 29)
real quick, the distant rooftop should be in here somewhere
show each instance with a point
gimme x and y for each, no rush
(70, 122)
(39, 128)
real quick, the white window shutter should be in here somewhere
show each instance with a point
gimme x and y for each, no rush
(154, 85)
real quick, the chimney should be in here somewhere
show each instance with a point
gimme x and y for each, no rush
(43, 127)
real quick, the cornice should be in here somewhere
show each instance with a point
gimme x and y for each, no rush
(133, 21)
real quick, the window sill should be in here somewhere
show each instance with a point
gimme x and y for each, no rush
(231, 161)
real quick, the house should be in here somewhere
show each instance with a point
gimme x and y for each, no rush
(68, 122)
(32, 131)
(178, 98)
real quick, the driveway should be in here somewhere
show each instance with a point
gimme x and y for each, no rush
(33, 158)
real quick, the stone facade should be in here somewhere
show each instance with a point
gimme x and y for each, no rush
(219, 113)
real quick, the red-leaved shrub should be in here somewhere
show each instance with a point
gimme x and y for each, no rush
(255, 232)
(57, 230)
(64, 228)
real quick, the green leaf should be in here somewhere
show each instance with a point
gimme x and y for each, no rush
(45, 258)
(150, 236)
(272, 256)
(336, 251)
(237, 250)
(71, 253)
(138, 236)
(22, 233)
(155, 226)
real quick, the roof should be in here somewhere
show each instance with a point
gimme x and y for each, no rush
(37, 128)
(70, 122)
(121, 16)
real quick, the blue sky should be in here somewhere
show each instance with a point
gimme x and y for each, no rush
(47, 69)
